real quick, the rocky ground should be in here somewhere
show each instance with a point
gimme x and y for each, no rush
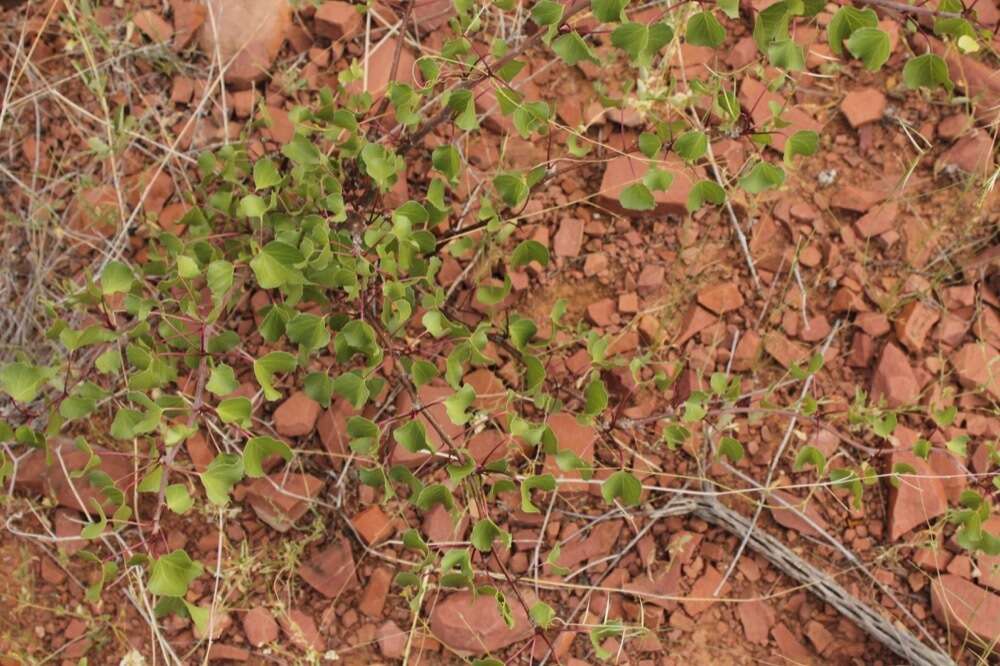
(881, 252)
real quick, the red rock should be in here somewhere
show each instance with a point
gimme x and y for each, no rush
(188, 17)
(977, 366)
(601, 313)
(331, 571)
(391, 640)
(894, 379)
(95, 212)
(788, 518)
(756, 100)
(862, 351)
(695, 320)
(932, 559)
(954, 126)
(260, 626)
(337, 20)
(951, 470)
(703, 595)
(332, 429)
(68, 527)
(721, 298)
(624, 170)
(223, 652)
(379, 67)
(577, 438)
(281, 499)
(918, 498)
(151, 24)
(789, 647)
(784, 350)
(301, 630)
(757, 619)
(742, 54)
(37, 477)
(473, 625)
(628, 303)
(914, 323)
(747, 351)
(569, 239)
(296, 416)
(181, 90)
(819, 636)
(856, 199)
(651, 278)
(845, 300)
(878, 220)
(971, 154)
(874, 324)
(816, 329)
(964, 607)
(246, 34)
(863, 106)
(595, 263)
(376, 592)
(373, 525)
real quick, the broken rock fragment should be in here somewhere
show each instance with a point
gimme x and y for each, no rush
(246, 35)
(473, 625)
(281, 499)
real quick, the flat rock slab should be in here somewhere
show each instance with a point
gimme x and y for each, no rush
(473, 625)
(626, 170)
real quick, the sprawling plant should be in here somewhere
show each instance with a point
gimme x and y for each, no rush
(154, 350)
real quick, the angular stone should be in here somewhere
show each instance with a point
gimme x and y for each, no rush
(721, 298)
(878, 220)
(296, 416)
(376, 592)
(579, 439)
(246, 34)
(695, 320)
(55, 480)
(331, 571)
(301, 630)
(379, 69)
(914, 323)
(757, 618)
(966, 608)
(978, 365)
(917, 499)
(756, 99)
(624, 170)
(569, 239)
(784, 350)
(337, 20)
(894, 379)
(786, 517)
(863, 106)
(281, 499)
(260, 626)
(151, 24)
(702, 595)
(391, 640)
(373, 525)
(473, 625)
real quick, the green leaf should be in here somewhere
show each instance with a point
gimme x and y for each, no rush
(922, 449)
(928, 71)
(763, 176)
(771, 25)
(267, 366)
(413, 437)
(219, 276)
(542, 614)
(945, 417)
(810, 455)
(265, 174)
(302, 151)
(731, 448)
(178, 498)
(884, 426)
(846, 21)
(235, 410)
(491, 294)
(222, 380)
(642, 42)
(308, 330)
(691, 146)
(731, 8)
(258, 449)
(959, 446)
(116, 278)
(637, 197)
(485, 532)
(432, 495)
(457, 404)
(275, 266)
(545, 482)
(446, 159)
(23, 381)
(703, 29)
(382, 165)
(871, 46)
(622, 486)
(705, 191)
(547, 12)
(649, 144)
(803, 142)
(608, 11)
(512, 188)
(171, 574)
(528, 251)
(351, 386)
(571, 48)
(595, 396)
(786, 54)
(224, 472)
